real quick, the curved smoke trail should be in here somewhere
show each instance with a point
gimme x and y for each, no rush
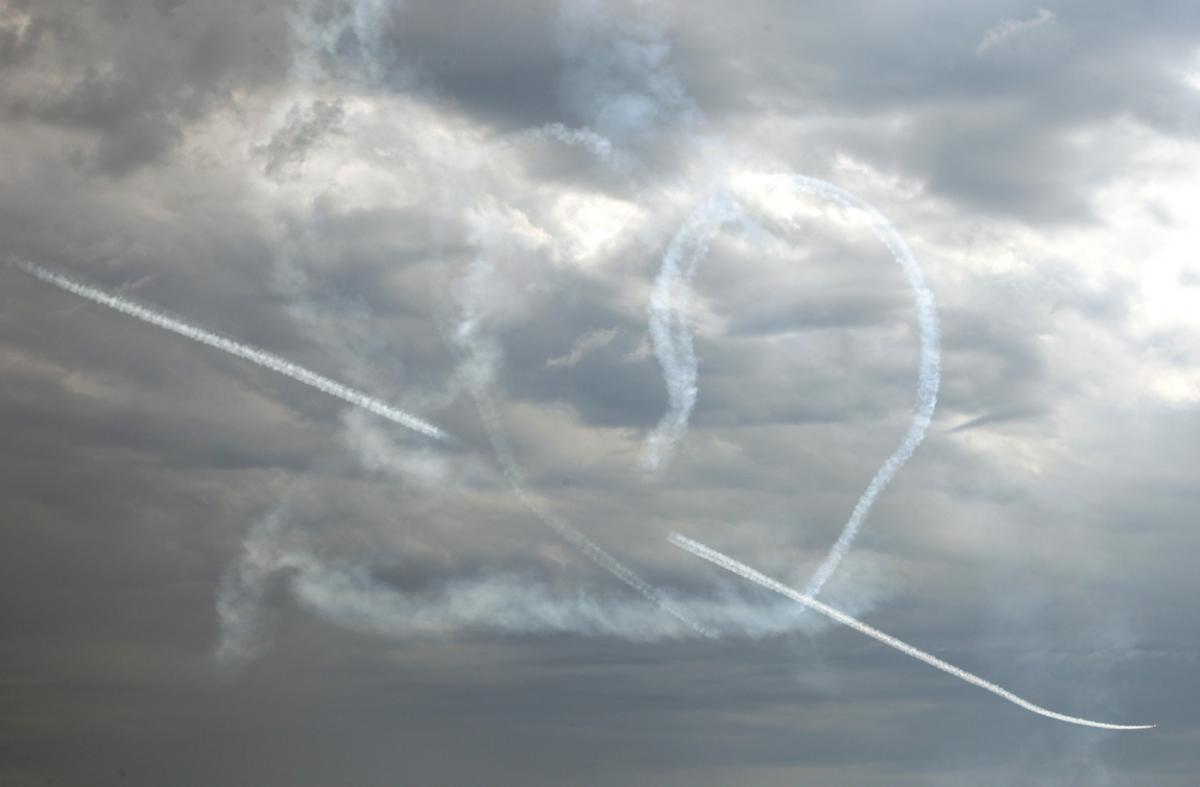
(668, 324)
(742, 570)
(597, 144)
(483, 358)
(238, 349)
(673, 341)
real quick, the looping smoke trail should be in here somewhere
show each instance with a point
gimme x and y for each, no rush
(244, 351)
(668, 325)
(483, 359)
(673, 342)
(742, 570)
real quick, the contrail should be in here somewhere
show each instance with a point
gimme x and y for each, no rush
(673, 342)
(244, 351)
(742, 570)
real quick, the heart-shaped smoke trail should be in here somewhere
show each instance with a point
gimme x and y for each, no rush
(482, 360)
(675, 352)
(626, 111)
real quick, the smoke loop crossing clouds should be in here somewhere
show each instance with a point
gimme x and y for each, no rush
(674, 348)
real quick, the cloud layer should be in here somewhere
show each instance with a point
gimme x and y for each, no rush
(319, 178)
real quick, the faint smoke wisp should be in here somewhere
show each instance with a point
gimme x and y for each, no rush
(599, 146)
(509, 603)
(1001, 33)
(237, 349)
(618, 78)
(742, 570)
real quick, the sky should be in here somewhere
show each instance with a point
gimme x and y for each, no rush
(518, 221)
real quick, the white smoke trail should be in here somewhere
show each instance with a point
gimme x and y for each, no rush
(596, 144)
(351, 596)
(238, 349)
(483, 357)
(668, 325)
(243, 588)
(673, 343)
(742, 570)
(592, 550)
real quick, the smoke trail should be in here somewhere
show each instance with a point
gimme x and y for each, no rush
(351, 596)
(668, 325)
(742, 570)
(244, 351)
(483, 358)
(243, 588)
(673, 343)
(592, 550)
(596, 144)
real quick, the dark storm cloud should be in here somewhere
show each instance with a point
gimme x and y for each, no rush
(317, 177)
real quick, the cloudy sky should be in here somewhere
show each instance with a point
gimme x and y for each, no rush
(212, 574)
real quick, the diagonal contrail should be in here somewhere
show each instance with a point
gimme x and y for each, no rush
(742, 570)
(238, 349)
